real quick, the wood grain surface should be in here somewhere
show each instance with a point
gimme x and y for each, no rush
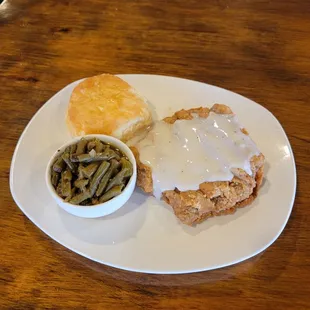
(260, 49)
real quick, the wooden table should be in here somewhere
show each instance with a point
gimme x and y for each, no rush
(260, 49)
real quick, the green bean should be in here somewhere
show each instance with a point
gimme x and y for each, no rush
(103, 184)
(95, 144)
(113, 192)
(73, 191)
(118, 179)
(77, 199)
(125, 172)
(59, 189)
(54, 178)
(72, 149)
(78, 158)
(81, 184)
(118, 154)
(67, 149)
(66, 188)
(105, 179)
(91, 145)
(99, 146)
(89, 170)
(66, 175)
(87, 158)
(80, 149)
(59, 165)
(109, 153)
(126, 164)
(83, 158)
(66, 158)
(80, 171)
(117, 166)
(94, 182)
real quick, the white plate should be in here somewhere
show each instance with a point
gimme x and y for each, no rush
(144, 235)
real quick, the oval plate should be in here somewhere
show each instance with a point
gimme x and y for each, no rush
(144, 235)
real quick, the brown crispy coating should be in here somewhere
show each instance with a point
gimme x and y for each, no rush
(212, 198)
(221, 109)
(144, 173)
(187, 114)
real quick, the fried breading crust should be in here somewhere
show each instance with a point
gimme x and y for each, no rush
(212, 198)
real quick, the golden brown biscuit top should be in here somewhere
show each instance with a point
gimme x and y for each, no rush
(103, 104)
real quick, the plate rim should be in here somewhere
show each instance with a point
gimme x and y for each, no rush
(194, 270)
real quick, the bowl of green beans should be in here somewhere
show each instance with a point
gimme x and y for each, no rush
(92, 176)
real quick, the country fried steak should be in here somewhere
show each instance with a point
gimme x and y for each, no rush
(212, 198)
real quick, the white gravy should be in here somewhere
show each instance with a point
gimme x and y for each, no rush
(189, 152)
